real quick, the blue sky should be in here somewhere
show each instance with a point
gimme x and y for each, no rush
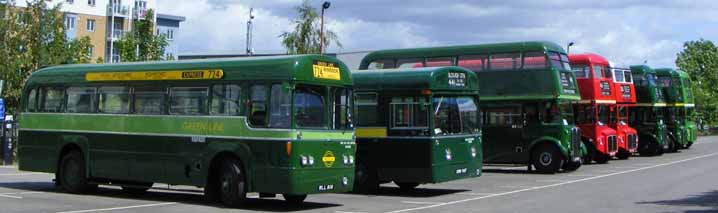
(626, 32)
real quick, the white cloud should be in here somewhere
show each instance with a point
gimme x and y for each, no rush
(627, 32)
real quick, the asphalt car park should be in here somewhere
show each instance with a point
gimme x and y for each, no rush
(675, 182)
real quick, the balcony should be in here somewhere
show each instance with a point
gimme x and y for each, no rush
(140, 13)
(118, 10)
(117, 34)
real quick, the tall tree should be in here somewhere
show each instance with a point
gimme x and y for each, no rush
(700, 60)
(305, 39)
(30, 38)
(141, 44)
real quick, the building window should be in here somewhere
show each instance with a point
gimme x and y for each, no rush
(170, 34)
(90, 25)
(70, 22)
(91, 2)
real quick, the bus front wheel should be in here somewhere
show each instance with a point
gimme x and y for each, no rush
(71, 174)
(232, 187)
(294, 199)
(547, 159)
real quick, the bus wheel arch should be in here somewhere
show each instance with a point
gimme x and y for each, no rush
(71, 173)
(547, 156)
(225, 169)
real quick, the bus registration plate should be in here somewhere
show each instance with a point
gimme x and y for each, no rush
(326, 187)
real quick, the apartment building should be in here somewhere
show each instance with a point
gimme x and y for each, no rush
(169, 25)
(104, 21)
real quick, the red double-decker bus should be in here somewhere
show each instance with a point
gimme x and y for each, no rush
(594, 112)
(625, 97)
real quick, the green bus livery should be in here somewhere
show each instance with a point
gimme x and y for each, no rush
(274, 125)
(647, 114)
(527, 92)
(679, 97)
(416, 126)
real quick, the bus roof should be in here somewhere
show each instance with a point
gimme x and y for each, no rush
(587, 58)
(642, 69)
(282, 68)
(433, 78)
(464, 49)
(667, 72)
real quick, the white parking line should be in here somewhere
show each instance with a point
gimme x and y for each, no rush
(120, 208)
(474, 193)
(422, 203)
(586, 175)
(347, 212)
(515, 187)
(10, 196)
(551, 181)
(22, 174)
(552, 185)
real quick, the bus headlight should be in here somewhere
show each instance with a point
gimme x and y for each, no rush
(473, 152)
(311, 160)
(448, 154)
(351, 159)
(346, 159)
(304, 160)
(345, 181)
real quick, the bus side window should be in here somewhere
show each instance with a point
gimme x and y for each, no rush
(32, 101)
(114, 100)
(473, 62)
(535, 60)
(81, 99)
(598, 71)
(279, 107)
(503, 117)
(409, 63)
(149, 100)
(188, 100)
(531, 114)
(505, 61)
(440, 62)
(226, 99)
(381, 64)
(51, 99)
(366, 109)
(258, 105)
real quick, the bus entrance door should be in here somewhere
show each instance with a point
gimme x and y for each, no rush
(503, 134)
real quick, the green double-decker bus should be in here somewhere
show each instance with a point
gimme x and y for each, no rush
(647, 114)
(274, 125)
(679, 97)
(527, 92)
(416, 126)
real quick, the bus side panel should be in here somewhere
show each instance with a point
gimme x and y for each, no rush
(37, 151)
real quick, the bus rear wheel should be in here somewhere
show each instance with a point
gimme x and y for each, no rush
(623, 154)
(294, 199)
(406, 186)
(601, 158)
(366, 180)
(71, 174)
(571, 166)
(231, 184)
(547, 159)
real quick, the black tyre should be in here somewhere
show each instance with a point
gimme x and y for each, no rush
(406, 186)
(590, 152)
(571, 166)
(71, 174)
(365, 179)
(139, 188)
(623, 154)
(652, 148)
(547, 159)
(602, 158)
(231, 183)
(688, 145)
(672, 145)
(294, 199)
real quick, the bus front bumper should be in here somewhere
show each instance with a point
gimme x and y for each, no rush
(309, 180)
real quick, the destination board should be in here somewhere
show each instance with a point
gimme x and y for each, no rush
(155, 75)
(326, 70)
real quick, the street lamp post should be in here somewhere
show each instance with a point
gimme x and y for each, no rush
(568, 47)
(321, 31)
(249, 32)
